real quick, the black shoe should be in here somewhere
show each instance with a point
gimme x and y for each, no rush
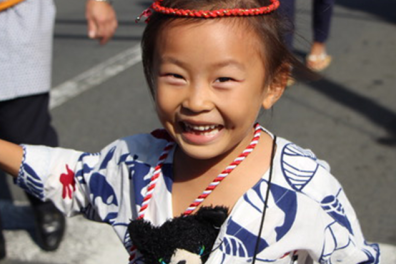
(2, 246)
(50, 226)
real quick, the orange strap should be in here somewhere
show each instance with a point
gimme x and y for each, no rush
(8, 3)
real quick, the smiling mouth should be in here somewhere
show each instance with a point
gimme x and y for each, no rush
(205, 130)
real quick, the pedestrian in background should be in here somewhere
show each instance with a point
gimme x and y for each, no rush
(26, 37)
(322, 11)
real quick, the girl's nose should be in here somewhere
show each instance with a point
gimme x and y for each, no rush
(198, 99)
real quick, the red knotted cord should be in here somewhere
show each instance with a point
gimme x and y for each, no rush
(157, 7)
(224, 12)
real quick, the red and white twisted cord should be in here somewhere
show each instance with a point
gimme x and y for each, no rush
(205, 193)
(150, 190)
(225, 172)
(154, 179)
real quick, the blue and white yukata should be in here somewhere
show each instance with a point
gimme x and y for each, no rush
(307, 211)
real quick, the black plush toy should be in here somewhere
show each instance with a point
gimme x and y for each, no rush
(184, 239)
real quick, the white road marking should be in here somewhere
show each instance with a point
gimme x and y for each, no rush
(94, 76)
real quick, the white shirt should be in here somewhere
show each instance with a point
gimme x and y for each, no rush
(26, 32)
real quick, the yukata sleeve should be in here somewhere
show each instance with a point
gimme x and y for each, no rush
(61, 175)
(326, 228)
(341, 237)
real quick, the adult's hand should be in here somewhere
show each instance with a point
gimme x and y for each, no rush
(101, 19)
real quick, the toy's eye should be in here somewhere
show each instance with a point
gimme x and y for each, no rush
(201, 250)
(161, 261)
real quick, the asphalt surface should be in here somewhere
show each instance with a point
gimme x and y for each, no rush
(347, 118)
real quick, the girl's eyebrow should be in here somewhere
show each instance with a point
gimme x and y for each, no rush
(172, 60)
(230, 62)
(221, 64)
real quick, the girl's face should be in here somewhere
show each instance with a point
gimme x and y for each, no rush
(210, 86)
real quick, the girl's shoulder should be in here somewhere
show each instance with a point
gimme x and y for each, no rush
(292, 154)
(301, 170)
(145, 146)
(158, 137)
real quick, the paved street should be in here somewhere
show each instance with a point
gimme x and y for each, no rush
(348, 118)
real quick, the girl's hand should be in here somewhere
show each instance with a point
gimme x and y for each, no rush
(101, 19)
(10, 157)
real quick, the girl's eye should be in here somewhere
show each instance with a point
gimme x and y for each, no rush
(173, 78)
(174, 75)
(224, 79)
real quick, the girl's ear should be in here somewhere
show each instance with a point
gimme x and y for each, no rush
(276, 88)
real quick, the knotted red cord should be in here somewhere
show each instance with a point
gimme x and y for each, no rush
(224, 12)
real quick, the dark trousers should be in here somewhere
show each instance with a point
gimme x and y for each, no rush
(322, 11)
(27, 120)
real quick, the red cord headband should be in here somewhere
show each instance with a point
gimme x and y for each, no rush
(157, 7)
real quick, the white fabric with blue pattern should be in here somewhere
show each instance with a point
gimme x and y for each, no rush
(307, 211)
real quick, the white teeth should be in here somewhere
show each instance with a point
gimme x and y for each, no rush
(212, 128)
(211, 132)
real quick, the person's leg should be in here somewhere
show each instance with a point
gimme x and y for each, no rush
(27, 120)
(287, 11)
(322, 14)
(321, 20)
(5, 194)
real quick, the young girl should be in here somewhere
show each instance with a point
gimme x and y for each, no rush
(210, 73)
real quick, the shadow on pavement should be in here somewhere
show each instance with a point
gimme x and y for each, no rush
(367, 107)
(384, 9)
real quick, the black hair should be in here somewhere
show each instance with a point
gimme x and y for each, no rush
(270, 29)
